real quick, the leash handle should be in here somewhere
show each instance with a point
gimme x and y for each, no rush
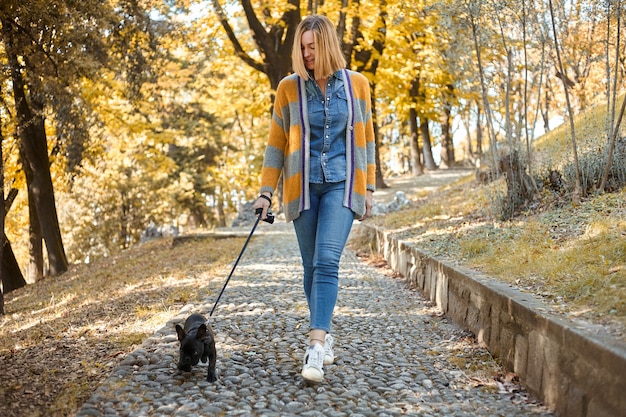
(270, 216)
(269, 219)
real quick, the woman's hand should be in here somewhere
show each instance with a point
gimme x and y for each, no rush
(369, 203)
(263, 203)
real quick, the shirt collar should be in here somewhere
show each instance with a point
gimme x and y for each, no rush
(337, 74)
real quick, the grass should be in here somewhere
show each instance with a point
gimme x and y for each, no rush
(574, 256)
(62, 336)
(571, 254)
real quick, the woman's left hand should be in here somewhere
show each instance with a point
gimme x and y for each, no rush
(369, 203)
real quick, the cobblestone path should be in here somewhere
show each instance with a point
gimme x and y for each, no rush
(395, 354)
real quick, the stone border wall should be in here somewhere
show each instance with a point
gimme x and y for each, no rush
(575, 369)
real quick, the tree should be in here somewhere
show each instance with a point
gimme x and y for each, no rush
(29, 104)
(473, 16)
(578, 186)
(611, 100)
(40, 44)
(51, 50)
(417, 168)
(2, 216)
(10, 274)
(447, 146)
(179, 150)
(241, 127)
(273, 37)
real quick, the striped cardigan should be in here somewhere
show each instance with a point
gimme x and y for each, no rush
(288, 148)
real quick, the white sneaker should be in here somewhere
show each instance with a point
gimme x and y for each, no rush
(329, 355)
(313, 369)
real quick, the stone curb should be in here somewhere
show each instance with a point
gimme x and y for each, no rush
(576, 369)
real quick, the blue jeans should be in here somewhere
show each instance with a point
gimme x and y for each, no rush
(322, 233)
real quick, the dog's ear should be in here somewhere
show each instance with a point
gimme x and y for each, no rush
(201, 335)
(181, 333)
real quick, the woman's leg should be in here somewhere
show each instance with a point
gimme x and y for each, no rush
(322, 234)
(306, 231)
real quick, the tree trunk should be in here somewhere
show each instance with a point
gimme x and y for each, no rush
(613, 131)
(474, 22)
(35, 265)
(518, 183)
(609, 159)
(417, 168)
(2, 214)
(12, 277)
(35, 268)
(479, 132)
(33, 138)
(219, 209)
(124, 233)
(10, 273)
(578, 190)
(447, 146)
(429, 161)
(32, 134)
(468, 128)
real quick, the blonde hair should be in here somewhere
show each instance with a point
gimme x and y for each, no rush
(328, 54)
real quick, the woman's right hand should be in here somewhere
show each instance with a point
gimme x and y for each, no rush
(263, 203)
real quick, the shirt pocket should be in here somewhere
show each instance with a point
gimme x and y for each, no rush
(314, 105)
(342, 103)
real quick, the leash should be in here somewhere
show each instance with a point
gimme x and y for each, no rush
(269, 219)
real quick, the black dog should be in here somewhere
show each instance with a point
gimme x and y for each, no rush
(197, 342)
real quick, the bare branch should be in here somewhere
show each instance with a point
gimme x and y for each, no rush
(231, 35)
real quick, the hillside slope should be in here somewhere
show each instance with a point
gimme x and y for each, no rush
(571, 255)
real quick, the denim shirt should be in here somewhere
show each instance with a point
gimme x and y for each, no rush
(328, 119)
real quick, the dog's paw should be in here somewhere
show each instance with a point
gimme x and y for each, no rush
(211, 377)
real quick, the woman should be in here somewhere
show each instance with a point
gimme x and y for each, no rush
(322, 140)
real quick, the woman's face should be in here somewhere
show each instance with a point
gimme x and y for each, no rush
(308, 49)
